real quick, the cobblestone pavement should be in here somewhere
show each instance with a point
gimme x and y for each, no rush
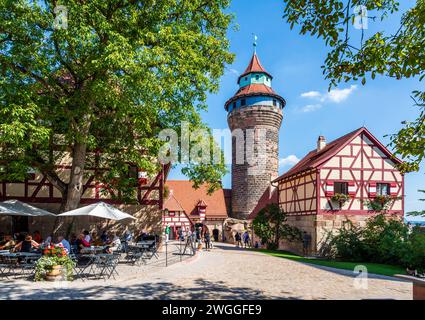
(225, 272)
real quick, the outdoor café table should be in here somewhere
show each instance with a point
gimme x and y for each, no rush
(92, 250)
(148, 246)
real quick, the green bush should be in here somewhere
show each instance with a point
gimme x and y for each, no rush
(385, 240)
(347, 244)
(270, 226)
(382, 240)
(414, 256)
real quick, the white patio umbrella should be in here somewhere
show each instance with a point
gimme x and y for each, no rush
(100, 210)
(18, 208)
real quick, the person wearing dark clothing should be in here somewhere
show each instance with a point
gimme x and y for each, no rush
(215, 234)
(246, 239)
(207, 239)
(27, 245)
(238, 239)
(306, 243)
(104, 236)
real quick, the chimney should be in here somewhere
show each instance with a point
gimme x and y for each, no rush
(321, 143)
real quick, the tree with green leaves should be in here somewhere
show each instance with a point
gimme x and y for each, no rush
(354, 55)
(97, 80)
(418, 213)
(270, 226)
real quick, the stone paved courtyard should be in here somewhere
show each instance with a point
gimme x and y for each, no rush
(223, 273)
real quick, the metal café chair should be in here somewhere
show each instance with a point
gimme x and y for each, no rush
(107, 264)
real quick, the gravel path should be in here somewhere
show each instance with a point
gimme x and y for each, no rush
(222, 273)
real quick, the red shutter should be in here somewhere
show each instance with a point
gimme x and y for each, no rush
(351, 188)
(393, 189)
(329, 189)
(372, 189)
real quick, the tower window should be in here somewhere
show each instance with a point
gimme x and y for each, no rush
(274, 102)
(257, 77)
(246, 78)
(234, 105)
(243, 102)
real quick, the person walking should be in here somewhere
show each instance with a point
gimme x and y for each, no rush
(246, 239)
(238, 239)
(167, 233)
(306, 243)
(207, 239)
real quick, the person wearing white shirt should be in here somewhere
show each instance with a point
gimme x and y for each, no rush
(87, 236)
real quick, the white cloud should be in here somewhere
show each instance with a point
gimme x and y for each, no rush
(289, 161)
(311, 94)
(234, 71)
(335, 95)
(339, 95)
(311, 107)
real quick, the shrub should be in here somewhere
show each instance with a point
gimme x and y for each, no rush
(382, 240)
(270, 225)
(385, 239)
(347, 244)
(414, 255)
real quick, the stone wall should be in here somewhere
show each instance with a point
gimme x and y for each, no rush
(250, 181)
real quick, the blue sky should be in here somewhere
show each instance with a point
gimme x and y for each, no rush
(295, 62)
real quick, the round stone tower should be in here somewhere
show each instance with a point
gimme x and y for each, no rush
(254, 117)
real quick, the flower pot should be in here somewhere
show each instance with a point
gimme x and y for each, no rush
(56, 274)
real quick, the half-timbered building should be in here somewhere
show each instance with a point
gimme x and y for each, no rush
(37, 190)
(337, 182)
(186, 207)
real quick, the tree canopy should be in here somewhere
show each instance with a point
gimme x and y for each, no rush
(102, 84)
(358, 56)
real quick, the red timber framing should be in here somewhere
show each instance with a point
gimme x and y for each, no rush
(297, 194)
(361, 161)
(40, 190)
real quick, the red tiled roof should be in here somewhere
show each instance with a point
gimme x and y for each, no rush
(252, 90)
(172, 204)
(254, 66)
(188, 198)
(265, 199)
(314, 159)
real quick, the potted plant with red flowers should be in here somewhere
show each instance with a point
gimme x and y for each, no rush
(54, 265)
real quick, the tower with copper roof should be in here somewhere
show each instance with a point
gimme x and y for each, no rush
(253, 109)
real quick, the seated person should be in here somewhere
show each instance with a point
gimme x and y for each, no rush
(87, 236)
(27, 245)
(114, 244)
(104, 236)
(96, 241)
(65, 243)
(37, 236)
(82, 243)
(8, 243)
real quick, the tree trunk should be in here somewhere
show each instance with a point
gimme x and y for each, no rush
(75, 186)
(74, 189)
